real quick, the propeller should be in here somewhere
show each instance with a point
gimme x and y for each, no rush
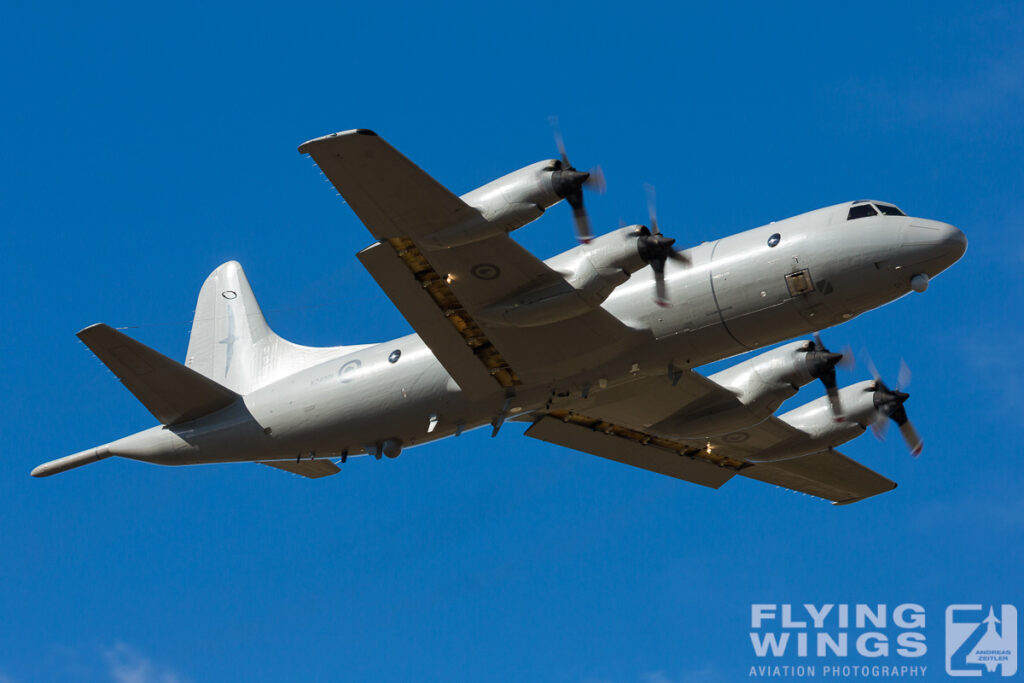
(569, 183)
(656, 249)
(823, 364)
(889, 404)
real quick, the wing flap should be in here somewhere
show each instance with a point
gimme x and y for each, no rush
(391, 195)
(169, 390)
(429, 321)
(311, 469)
(828, 474)
(650, 457)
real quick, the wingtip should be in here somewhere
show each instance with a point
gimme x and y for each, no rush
(305, 147)
(85, 330)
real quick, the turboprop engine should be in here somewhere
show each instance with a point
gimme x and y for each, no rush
(513, 200)
(510, 202)
(760, 384)
(517, 198)
(591, 271)
(865, 404)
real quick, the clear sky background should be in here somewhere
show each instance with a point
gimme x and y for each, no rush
(144, 145)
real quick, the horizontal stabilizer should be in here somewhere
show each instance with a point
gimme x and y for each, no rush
(169, 390)
(313, 469)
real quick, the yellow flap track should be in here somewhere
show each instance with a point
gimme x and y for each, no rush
(452, 308)
(705, 452)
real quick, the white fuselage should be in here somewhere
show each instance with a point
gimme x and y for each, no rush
(734, 296)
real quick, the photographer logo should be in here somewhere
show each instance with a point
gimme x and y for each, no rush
(981, 640)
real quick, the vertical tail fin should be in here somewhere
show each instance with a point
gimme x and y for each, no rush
(231, 342)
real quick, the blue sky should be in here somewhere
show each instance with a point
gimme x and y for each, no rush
(144, 145)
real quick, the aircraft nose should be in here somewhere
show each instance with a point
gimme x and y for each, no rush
(955, 241)
(934, 244)
(951, 245)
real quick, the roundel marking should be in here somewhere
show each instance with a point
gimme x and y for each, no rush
(228, 294)
(345, 372)
(735, 437)
(485, 271)
(774, 239)
(394, 356)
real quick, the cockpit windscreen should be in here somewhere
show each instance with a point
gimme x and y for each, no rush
(864, 209)
(889, 210)
(861, 211)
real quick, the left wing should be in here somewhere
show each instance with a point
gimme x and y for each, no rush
(443, 292)
(627, 424)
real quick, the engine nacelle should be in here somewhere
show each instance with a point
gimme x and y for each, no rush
(596, 268)
(591, 272)
(760, 385)
(766, 380)
(817, 421)
(508, 203)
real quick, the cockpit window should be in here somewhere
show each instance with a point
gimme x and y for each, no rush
(861, 211)
(889, 210)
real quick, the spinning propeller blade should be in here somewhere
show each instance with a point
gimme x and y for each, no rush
(656, 249)
(889, 404)
(569, 183)
(823, 365)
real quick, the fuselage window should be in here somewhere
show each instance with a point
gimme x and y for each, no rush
(861, 211)
(889, 210)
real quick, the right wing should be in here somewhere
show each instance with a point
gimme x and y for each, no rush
(825, 474)
(444, 292)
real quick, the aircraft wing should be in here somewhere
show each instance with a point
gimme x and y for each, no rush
(628, 424)
(441, 292)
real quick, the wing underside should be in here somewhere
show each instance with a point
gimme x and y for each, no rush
(444, 292)
(621, 424)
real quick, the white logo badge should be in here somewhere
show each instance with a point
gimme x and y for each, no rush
(981, 640)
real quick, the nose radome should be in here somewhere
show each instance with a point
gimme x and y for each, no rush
(933, 245)
(955, 241)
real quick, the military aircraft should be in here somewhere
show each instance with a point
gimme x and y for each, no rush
(595, 347)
